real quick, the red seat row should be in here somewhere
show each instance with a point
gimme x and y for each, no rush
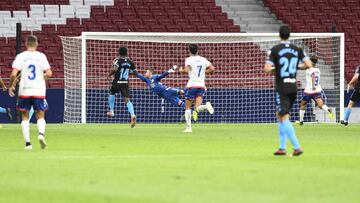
(322, 16)
(139, 16)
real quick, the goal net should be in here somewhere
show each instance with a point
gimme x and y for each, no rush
(239, 90)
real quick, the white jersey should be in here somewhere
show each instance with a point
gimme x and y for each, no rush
(310, 72)
(198, 65)
(32, 65)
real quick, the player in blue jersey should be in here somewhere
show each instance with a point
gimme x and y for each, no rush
(171, 95)
(6, 111)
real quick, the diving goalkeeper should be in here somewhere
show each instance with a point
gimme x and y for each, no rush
(171, 95)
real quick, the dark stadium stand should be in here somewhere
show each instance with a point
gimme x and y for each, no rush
(321, 16)
(140, 16)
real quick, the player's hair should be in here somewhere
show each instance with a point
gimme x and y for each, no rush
(284, 32)
(193, 48)
(123, 51)
(314, 59)
(31, 41)
(151, 70)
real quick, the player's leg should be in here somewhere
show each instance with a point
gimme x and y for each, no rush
(6, 111)
(189, 96)
(285, 124)
(282, 134)
(188, 104)
(348, 112)
(319, 101)
(305, 99)
(354, 97)
(125, 92)
(130, 106)
(111, 100)
(173, 99)
(40, 106)
(198, 103)
(302, 111)
(25, 125)
(31, 113)
(24, 105)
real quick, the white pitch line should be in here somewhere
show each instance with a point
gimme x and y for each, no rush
(145, 156)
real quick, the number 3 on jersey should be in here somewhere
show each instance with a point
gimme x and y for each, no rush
(288, 67)
(32, 74)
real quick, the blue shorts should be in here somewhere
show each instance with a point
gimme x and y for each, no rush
(172, 95)
(307, 97)
(25, 104)
(192, 93)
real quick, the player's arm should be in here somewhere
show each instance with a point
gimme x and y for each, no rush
(185, 69)
(302, 66)
(111, 73)
(46, 67)
(143, 78)
(166, 73)
(269, 64)
(313, 81)
(48, 74)
(132, 69)
(268, 68)
(353, 80)
(2, 84)
(307, 63)
(115, 67)
(163, 75)
(13, 76)
(210, 69)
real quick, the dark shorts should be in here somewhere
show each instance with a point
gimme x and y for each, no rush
(25, 104)
(355, 95)
(172, 95)
(192, 93)
(284, 102)
(122, 88)
(308, 97)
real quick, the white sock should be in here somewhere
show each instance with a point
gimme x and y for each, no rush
(201, 108)
(41, 123)
(26, 130)
(325, 108)
(302, 113)
(188, 118)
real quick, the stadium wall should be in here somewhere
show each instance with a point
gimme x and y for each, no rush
(55, 98)
(230, 109)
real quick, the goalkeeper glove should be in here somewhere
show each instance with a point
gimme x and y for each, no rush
(173, 69)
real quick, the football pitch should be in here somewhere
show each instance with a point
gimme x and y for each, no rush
(158, 163)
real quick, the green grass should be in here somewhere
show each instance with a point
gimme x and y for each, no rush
(219, 163)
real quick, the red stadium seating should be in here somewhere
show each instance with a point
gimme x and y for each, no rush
(139, 16)
(320, 16)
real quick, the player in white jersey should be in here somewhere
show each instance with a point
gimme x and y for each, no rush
(35, 69)
(313, 90)
(196, 66)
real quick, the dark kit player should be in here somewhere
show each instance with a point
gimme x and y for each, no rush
(355, 97)
(121, 69)
(284, 59)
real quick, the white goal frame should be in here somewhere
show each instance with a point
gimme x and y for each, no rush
(147, 36)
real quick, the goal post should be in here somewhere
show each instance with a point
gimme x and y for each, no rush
(239, 90)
